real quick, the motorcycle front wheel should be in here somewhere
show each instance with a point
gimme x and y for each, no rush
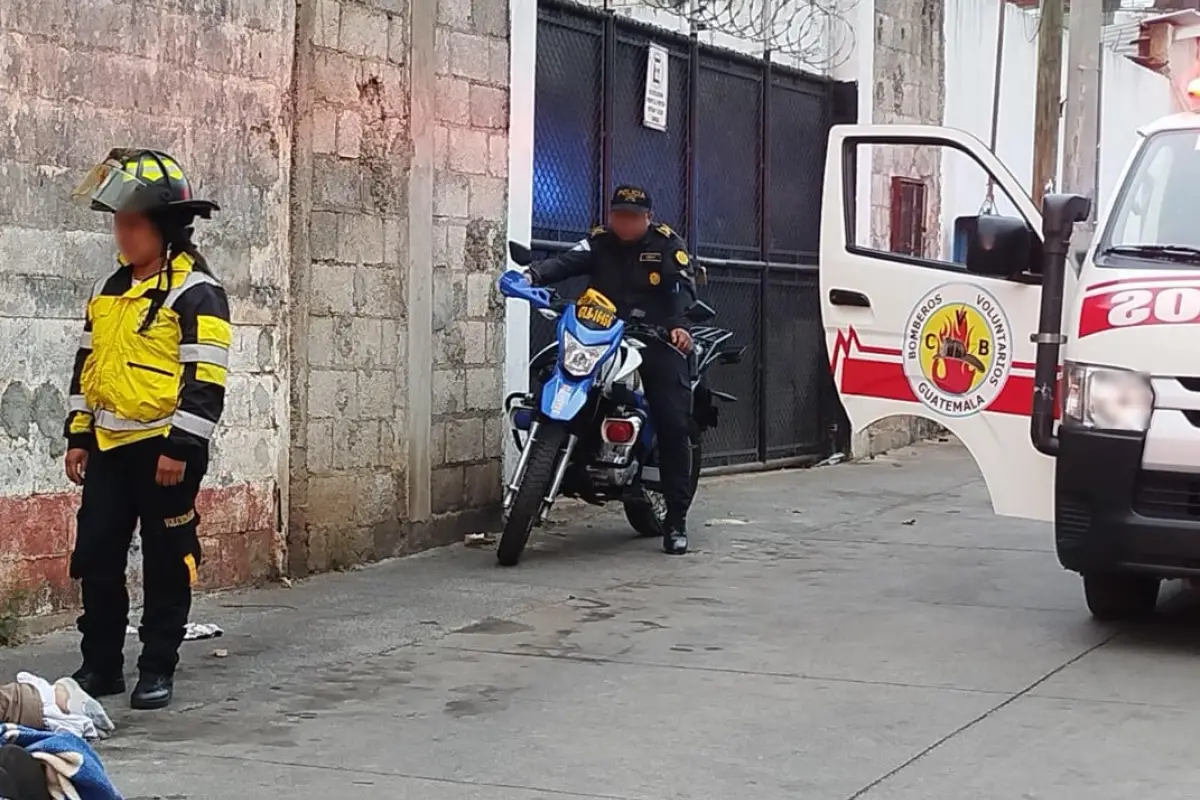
(531, 494)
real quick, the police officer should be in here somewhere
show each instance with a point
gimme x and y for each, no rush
(147, 391)
(638, 264)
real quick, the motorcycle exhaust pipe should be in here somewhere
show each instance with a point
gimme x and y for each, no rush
(1060, 212)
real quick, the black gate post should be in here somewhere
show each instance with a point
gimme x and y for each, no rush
(607, 111)
(693, 131)
(764, 246)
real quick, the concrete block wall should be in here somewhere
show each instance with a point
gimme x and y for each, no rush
(209, 83)
(358, 149)
(399, 193)
(349, 476)
(469, 251)
(908, 88)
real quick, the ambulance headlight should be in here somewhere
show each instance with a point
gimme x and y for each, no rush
(579, 359)
(1104, 398)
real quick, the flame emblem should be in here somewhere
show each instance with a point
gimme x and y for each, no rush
(955, 364)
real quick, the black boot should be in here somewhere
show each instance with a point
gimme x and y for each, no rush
(100, 683)
(153, 691)
(675, 541)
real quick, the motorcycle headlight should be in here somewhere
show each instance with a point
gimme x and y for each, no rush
(1105, 398)
(579, 359)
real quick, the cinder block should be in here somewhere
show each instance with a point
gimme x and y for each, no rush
(483, 388)
(454, 13)
(398, 39)
(449, 391)
(464, 441)
(490, 17)
(335, 78)
(451, 194)
(498, 155)
(474, 335)
(483, 483)
(328, 21)
(470, 56)
(377, 495)
(349, 134)
(337, 184)
(377, 392)
(479, 293)
(498, 61)
(360, 239)
(446, 489)
(489, 107)
(332, 394)
(324, 129)
(454, 100)
(378, 291)
(355, 443)
(332, 499)
(332, 289)
(489, 197)
(469, 151)
(322, 236)
(364, 32)
(441, 51)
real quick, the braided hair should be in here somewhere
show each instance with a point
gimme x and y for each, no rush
(175, 226)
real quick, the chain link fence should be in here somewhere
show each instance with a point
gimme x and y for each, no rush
(738, 173)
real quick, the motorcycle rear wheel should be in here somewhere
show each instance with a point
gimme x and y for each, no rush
(527, 505)
(647, 513)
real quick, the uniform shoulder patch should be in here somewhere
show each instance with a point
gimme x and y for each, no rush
(682, 257)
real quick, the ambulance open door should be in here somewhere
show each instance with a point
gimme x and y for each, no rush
(911, 330)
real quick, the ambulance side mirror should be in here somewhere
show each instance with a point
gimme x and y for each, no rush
(1001, 247)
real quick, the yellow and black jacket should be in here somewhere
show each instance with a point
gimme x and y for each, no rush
(167, 380)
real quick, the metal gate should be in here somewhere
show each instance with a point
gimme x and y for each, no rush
(738, 173)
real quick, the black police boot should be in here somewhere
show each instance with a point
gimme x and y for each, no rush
(675, 541)
(153, 691)
(99, 683)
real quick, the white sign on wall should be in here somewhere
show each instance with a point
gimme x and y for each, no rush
(654, 110)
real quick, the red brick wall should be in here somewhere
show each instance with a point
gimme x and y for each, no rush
(237, 529)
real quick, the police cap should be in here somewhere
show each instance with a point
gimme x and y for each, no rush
(630, 198)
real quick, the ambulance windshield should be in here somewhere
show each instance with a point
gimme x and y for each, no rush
(1157, 213)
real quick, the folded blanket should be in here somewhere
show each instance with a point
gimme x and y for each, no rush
(73, 770)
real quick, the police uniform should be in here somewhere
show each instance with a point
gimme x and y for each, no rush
(651, 274)
(148, 381)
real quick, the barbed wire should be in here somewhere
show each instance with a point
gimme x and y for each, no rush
(817, 33)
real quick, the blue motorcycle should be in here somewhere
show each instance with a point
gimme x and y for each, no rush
(584, 432)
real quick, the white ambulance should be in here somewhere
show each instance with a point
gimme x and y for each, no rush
(1075, 386)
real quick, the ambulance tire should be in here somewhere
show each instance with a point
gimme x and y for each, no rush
(1115, 596)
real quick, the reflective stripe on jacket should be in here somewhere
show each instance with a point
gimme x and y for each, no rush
(169, 380)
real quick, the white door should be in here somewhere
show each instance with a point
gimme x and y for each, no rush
(910, 331)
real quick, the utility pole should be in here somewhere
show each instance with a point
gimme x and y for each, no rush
(1049, 95)
(1083, 99)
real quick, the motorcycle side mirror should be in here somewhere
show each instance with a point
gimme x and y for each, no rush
(637, 315)
(700, 311)
(520, 254)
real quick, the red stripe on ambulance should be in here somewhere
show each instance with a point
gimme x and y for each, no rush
(1136, 303)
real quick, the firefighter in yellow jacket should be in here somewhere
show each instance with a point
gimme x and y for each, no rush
(146, 393)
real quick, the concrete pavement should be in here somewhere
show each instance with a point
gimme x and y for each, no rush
(862, 631)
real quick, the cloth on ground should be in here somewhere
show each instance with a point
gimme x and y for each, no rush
(22, 777)
(73, 770)
(80, 703)
(54, 718)
(194, 631)
(22, 705)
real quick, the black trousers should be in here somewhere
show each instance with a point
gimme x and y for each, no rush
(666, 381)
(119, 492)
